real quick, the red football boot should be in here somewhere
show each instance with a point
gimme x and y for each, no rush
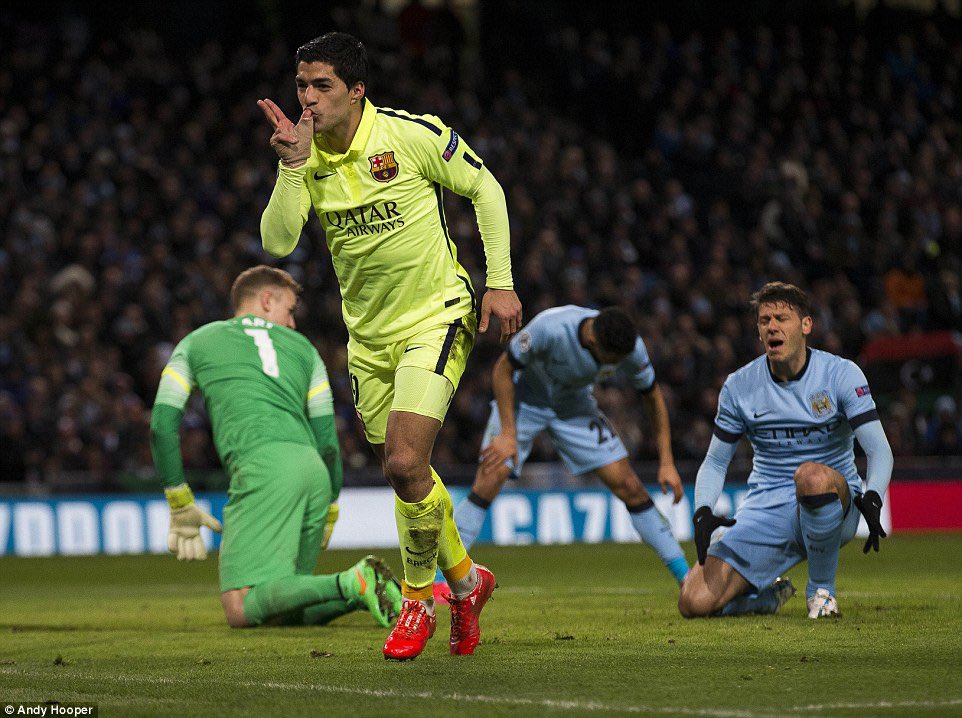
(441, 592)
(411, 632)
(465, 631)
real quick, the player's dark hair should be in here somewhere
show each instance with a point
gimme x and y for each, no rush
(253, 280)
(615, 331)
(782, 293)
(345, 53)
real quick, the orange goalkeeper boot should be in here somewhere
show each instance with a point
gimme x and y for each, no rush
(411, 632)
(465, 631)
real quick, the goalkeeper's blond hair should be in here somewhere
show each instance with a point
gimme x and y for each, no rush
(253, 280)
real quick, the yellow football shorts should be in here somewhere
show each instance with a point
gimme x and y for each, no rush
(418, 374)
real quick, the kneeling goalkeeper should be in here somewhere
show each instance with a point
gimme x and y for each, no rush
(269, 401)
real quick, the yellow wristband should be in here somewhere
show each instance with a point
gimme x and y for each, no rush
(332, 513)
(179, 496)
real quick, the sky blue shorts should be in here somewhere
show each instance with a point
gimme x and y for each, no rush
(583, 436)
(767, 539)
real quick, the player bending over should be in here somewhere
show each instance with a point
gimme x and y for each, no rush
(374, 177)
(543, 382)
(270, 405)
(802, 410)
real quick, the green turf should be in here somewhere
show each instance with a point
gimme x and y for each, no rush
(573, 630)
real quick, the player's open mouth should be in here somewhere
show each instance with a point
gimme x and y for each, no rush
(775, 343)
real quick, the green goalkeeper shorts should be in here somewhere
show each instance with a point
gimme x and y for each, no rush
(275, 515)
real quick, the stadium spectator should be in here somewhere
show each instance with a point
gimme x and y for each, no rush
(943, 436)
(905, 290)
(946, 302)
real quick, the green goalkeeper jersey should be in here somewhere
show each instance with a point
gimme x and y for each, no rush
(380, 204)
(261, 383)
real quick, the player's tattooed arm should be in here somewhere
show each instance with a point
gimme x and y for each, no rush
(657, 411)
(505, 445)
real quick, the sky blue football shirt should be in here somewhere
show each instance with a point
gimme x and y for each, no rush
(555, 370)
(810, 418)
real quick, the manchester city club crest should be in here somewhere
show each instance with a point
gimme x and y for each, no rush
(525, 341)
(821, 404)
(383, 166)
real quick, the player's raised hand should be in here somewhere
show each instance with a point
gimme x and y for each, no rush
(502, 447)
(668, 477)
(870, 506)
(291, 142)
(186, 518)
(705, 524)
(505, 305)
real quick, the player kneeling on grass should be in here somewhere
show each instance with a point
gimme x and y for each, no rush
(543, 382)
(270, 405)
(802, 410)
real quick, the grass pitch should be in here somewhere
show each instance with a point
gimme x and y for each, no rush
(573, 630)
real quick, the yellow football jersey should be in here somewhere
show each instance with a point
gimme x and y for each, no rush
(380, 204)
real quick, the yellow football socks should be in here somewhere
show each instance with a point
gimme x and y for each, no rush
(452, 556)
(429, 538)
(419, 528)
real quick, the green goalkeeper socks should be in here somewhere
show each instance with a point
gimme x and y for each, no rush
(321, 613)
(284, 595)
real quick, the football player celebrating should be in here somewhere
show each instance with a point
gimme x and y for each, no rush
(374, 177)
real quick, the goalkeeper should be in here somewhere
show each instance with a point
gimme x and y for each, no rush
(270, 405)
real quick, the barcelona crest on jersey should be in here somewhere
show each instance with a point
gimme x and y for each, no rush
(383, 166)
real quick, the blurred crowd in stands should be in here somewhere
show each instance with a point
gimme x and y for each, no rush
(668, 171)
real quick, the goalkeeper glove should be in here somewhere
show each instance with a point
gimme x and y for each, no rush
(705, 523)
(329, 526)
(870, 505)
(186, 518)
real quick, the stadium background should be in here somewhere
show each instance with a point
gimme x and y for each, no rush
(667, 159)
